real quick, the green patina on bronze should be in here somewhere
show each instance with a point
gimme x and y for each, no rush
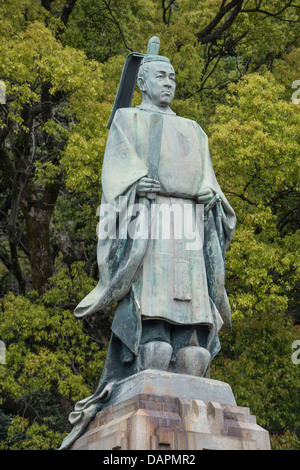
(172, 301)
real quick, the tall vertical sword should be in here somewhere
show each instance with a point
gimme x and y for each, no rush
(156, 126)
(155, 137)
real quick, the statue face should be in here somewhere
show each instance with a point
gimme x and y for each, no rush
(159, 84)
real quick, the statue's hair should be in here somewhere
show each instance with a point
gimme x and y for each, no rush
(143, 71)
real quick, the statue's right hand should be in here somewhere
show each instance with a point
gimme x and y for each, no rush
(147, 185)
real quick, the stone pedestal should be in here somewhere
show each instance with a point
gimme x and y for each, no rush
(156, 410)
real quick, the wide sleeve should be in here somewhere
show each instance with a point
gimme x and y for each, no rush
(118, 257)
(122, 167)
(209, 180)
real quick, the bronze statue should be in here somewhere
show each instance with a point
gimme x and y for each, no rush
(170, 289)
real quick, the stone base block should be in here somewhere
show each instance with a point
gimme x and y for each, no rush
(152, 421)
(157, 382)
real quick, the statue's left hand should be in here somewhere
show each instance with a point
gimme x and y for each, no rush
(147, 185)
(205, 195)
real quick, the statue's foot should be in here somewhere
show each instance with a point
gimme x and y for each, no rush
(193, 360)
(155, 355)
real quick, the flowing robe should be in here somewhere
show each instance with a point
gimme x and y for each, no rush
(167, 280)
(155, 277)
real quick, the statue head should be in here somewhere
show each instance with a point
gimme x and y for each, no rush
(156, 77)
(156, 80)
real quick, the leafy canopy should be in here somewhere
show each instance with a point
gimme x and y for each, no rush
(61, 63)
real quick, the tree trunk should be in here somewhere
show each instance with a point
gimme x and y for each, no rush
(38, 233)
(37, 213)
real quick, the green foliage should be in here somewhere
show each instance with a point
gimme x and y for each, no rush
(286, 441)
(68, 286)
(256, 360)
(50, 359)
(24, 436)
(34, 57)
(257, 160)
(61, 75)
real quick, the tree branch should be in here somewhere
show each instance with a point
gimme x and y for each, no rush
(167, 9)
(269, 13)
(23, 409)
(114, 20)
(91, 259)
(210, 73)
(17, 190)
(241, 196)
(7, 169)
(46, 4)
(67, 10)
(233, 8)
(5, 259)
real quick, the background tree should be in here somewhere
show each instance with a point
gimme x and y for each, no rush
(61, 63)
